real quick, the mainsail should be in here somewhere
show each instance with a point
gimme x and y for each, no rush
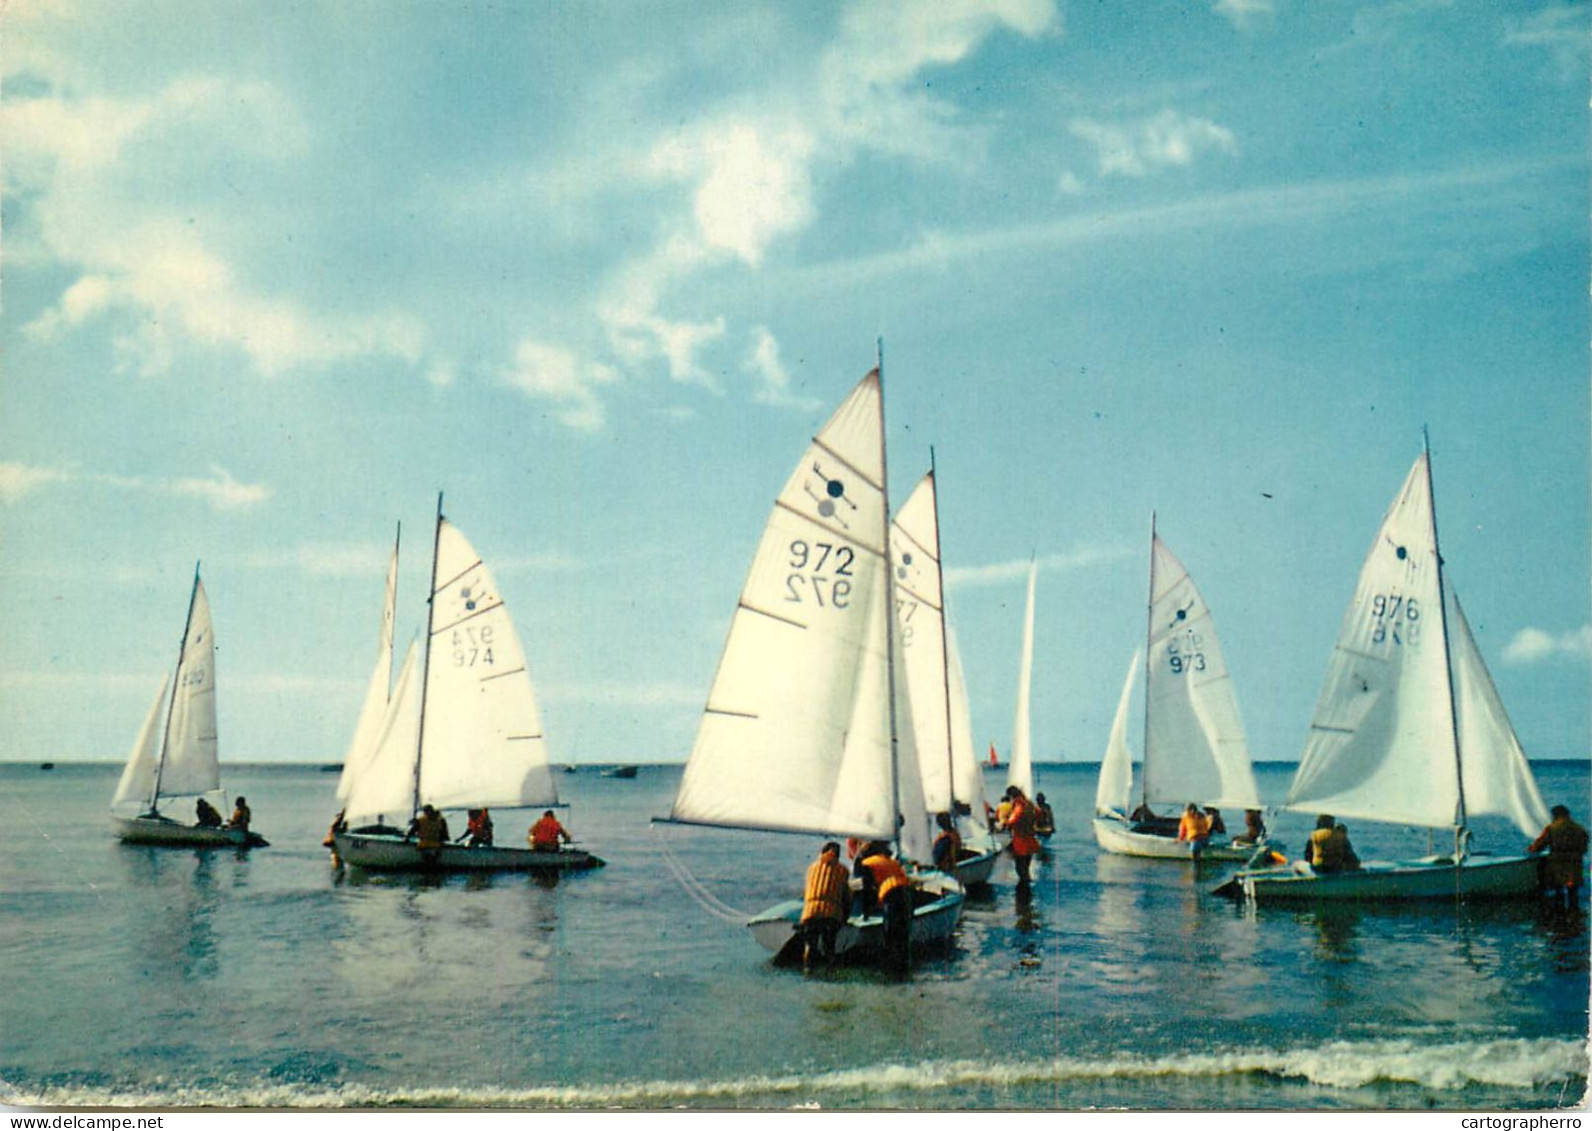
(1194, 746)
(1021, 771)
(1381, 743)
(925, 670)
(377, 692)
(796, 734)
(482, 738)
(188, 766)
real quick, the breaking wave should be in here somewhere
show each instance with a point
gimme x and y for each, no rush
(1526, 1065)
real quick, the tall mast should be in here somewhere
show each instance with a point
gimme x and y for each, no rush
(425, 669)
(1149, 632)
(182, 650)
(890, 616)
(1448, 661)
(392, 610)
(945, 641)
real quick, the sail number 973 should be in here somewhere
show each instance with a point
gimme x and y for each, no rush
(820, 574)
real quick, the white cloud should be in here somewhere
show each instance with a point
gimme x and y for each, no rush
(773, 381)
(221, 491)
(1164, 140)
(1533, 645)
(552, 373)
(1003, 573)
(1559, 29)
(1245, 14)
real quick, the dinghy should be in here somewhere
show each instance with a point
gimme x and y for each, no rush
(1194, 746)
(179, 760)
(932, 672)
(1409, 730)
(464, 732)
(800, 733)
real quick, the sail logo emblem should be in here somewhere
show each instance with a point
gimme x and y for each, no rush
(828, 494)
(466, 594)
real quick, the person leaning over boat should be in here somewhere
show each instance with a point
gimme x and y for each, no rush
(207, 816)
(1566, 843)
(885, 887)
(547, 833)
(430, 830)
(241, 816)
(1019, 822)
(826, 901)
(1194, 829)
(478, 829)
(947, 844)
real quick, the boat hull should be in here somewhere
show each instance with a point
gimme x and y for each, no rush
(395, 853)
(1376, 881)
(174, 834)
(977, 868)
(1117, 835)
(861, 936)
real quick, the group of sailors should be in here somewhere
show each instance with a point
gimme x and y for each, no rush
(429, 831)
(209, 818)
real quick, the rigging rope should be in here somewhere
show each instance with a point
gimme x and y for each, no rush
(694, 887)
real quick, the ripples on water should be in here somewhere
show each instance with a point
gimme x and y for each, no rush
(177, 978)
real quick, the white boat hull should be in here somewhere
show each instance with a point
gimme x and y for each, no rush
(933, 922)
(1375, 881)
(1116, 834)
(164, 831)
(395, 853)
(977, 868)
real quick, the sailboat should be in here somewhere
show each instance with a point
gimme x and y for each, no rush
(800, 733)
(1409, 729)
(464, 732)
(1194, 745)
(1021, 771)
(179, 760)
(932, 670)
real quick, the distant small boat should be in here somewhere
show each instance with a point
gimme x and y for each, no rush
(46, 765)
(332, 768)
(572, 769)
(619, 772)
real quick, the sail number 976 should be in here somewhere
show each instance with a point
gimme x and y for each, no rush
(820, 573)
(1395, 617)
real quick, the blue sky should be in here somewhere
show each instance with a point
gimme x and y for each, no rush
(274, 275)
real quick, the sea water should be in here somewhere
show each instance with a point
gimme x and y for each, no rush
(176, 978)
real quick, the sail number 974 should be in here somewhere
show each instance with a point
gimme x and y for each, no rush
(820, 573)
(472, 645)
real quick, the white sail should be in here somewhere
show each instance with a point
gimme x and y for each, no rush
(1021, 771)
(1115, 787)
(1381, 743)
(384, 787)
(924, 673)
(482, 743)
(967, 775)
(137, 783)
(796, 732)
(1194, 746)
(1498, 779)
(377, 691)
(188, 766)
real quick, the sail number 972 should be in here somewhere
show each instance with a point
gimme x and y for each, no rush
(820, 574)
(1395, 617)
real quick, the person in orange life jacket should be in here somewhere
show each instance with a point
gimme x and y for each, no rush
(947, 844)
(1328, 849)
(547, 833)
(1020, 817)
(241, 816)
(826, 901)
(478, 829)
(885, 886)
(430, 832)
(1566, 842)
(207, 816)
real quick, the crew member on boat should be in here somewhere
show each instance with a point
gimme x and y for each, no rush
(1044, 817)
(826, 901)
(430, 830)
(1254, 828)
(547, 834)
(947, 844)
(1214, 816)
(1194, 829)
(1019, 822)
(885, 887)
(208, 818)
(478, 829)
(241, 816)
(1566, 842)
(1328, 849)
